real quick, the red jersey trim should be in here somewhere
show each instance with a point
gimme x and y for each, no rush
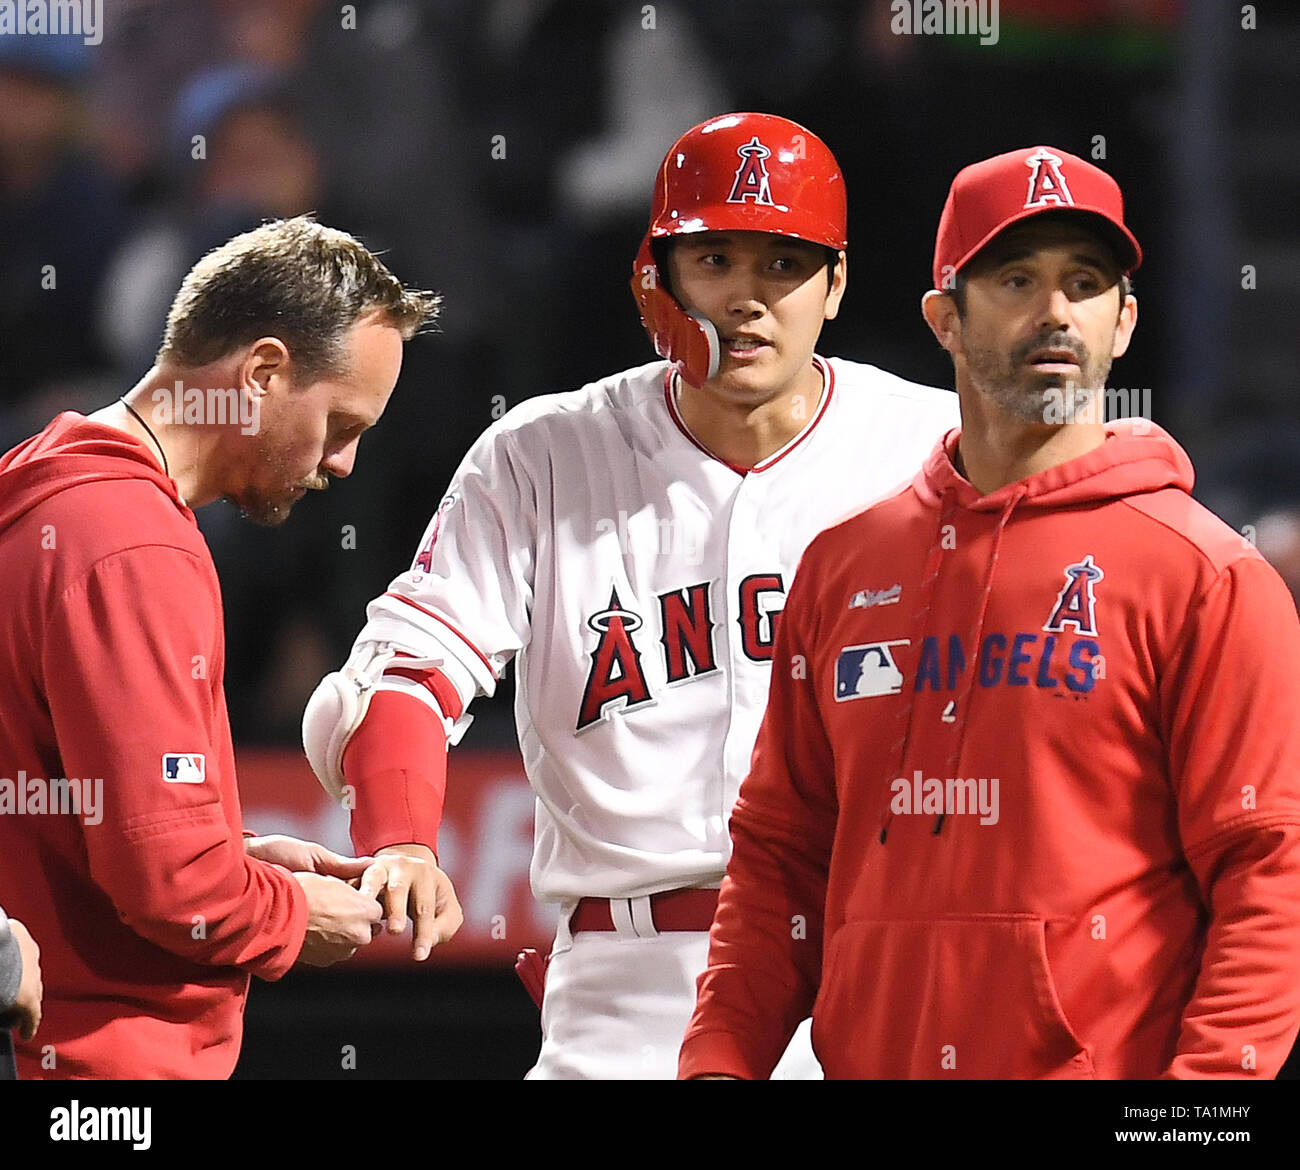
(828, 374)
(429, 613)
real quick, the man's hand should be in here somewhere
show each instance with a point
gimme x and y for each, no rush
(26, 1012)
(339, 919)
(406, 878)
(305, 856)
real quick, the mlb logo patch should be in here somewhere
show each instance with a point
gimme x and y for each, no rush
(863, 672)
(183, 768)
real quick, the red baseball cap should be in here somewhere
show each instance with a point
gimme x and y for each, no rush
(989, 196)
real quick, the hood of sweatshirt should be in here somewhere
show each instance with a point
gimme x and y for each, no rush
(1136, 457)
(71, 451)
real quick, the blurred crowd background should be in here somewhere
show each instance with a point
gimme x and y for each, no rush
(502, 152)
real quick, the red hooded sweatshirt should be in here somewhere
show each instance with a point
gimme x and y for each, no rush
(148, 913)
(1026, 798)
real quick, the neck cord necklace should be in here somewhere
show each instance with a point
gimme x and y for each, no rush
(147, 427)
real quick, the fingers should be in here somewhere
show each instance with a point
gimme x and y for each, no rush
(340, 919)
(278, 849)
(427, 934)
(395, 898)
(450, 915)
(336, 865)
(411, 889)
(438, 915)
(358, 922)
(374, 878)
(366, 906)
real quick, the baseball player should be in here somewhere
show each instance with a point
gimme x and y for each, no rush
(629, 545)
(1064, 840)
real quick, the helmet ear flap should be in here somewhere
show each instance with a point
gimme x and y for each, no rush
(660, 246)
(687, 340)
(698, 374)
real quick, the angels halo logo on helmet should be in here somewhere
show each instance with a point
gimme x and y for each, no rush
(739, 172)
(752, 180)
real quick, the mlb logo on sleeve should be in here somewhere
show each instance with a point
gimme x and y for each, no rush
(183, 768)
(862, 672)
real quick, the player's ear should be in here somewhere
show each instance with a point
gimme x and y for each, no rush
(839, 281)
(265, 361)
(940, 313)
(1128, 316)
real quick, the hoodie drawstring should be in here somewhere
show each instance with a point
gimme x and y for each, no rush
(905, 716)
(918, 621)
(954, 760)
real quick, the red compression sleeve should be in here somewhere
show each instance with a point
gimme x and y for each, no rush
(396, 766)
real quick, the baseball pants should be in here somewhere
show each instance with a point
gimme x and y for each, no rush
(617, 1005)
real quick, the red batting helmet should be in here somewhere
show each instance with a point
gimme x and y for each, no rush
(737, 172)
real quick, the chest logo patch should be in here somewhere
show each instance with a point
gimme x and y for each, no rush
(863, 672)
(1076, 603)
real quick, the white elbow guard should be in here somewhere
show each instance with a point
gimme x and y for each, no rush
(335, 710)
(339, 704)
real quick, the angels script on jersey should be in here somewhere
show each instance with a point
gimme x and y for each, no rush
(616, 680)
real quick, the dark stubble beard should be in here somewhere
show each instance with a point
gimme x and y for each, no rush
(1022, 392)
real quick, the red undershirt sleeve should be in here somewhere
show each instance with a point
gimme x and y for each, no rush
(395, 767)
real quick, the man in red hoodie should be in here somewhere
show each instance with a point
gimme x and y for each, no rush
(120, 835)
(1026, 798)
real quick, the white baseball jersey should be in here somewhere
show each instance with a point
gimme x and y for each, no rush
(636, 580)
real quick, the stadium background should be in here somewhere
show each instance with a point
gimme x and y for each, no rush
(502, 152)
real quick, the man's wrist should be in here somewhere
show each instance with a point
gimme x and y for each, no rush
(404, 848)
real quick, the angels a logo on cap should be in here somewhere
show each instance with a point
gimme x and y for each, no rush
(1046, 183)
(751, 176)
